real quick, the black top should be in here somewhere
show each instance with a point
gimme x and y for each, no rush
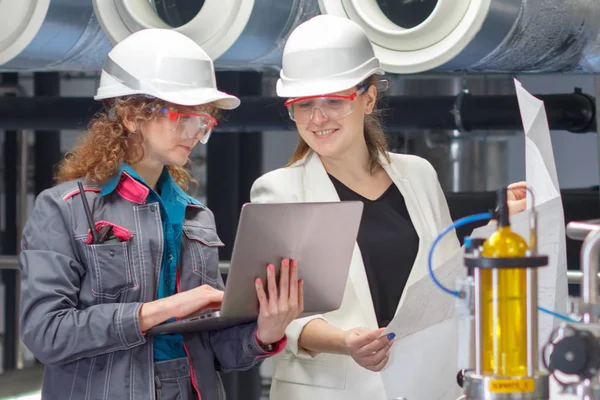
(388, 242)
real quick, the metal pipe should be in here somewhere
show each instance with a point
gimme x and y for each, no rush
(478, 327)
(590, 257)
(22, 218)
(597, 89)
(532, 322)
(575, 277)
(57, 35)
(578, 230)
(12, 262)
(23, 169)
(574, 112)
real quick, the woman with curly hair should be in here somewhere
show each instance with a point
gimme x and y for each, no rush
(118, 247)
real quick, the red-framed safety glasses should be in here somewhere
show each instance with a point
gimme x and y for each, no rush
(191, 125)
(331, 106)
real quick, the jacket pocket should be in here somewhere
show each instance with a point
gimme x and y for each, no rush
(110, 267)
(203, 253)
(326, 370)
(119, 233)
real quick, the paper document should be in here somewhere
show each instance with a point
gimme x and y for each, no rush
(428, 304)
(424, 361)
(542, 178)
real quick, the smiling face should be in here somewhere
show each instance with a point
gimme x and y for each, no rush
(334, 124)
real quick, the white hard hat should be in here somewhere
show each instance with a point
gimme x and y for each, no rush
(164, 64)
(326, 54)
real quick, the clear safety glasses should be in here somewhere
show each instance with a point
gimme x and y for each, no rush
(190, 125)
(332, 106)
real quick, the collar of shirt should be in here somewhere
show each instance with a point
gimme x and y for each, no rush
(166, 184)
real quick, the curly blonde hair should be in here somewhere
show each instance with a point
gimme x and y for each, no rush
(108, 143)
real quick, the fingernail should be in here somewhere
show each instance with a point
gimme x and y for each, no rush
(286, 262)
(271, 268)
(391, 336)
(294, 263)
(256, 281)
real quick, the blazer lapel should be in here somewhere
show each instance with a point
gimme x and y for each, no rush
(317, 185)
(418, 219)
(318, 188)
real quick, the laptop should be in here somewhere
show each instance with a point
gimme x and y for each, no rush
(319, 236)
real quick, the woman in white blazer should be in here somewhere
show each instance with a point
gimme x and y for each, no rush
(342, 155)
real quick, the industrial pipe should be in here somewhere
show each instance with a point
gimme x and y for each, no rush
(237, 34)
(578, 230)
(12, 262)
(574, 112)
(60, 35)
(478, 35)
(590, 257)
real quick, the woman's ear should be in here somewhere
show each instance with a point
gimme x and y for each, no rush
(130, 125)
(124, 114)
(371, 99)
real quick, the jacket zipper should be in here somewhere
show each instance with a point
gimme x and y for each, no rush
(191, 367)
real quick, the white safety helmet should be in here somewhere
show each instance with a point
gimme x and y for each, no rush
(165, 64)
(326, 54)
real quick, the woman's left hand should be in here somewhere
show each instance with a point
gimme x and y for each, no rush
(283, 304)
(517, 197)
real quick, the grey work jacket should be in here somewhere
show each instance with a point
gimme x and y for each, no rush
(80, 302)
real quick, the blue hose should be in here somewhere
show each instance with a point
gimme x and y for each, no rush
(456, 293)
(557, 315)
(455, 224)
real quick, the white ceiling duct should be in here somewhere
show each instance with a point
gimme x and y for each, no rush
(76, 35)
(412, 36)
(237, 34)
(50, 35)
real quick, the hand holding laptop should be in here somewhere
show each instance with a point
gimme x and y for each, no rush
(322, 242)
(280, 307)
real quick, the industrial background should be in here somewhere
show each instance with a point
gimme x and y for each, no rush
(450, 64)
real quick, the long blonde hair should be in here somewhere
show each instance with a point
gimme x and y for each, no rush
(108, 143)
(375, 137)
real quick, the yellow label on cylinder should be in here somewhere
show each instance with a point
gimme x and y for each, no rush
(511, 386)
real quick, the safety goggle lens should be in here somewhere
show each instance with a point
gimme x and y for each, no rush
(192, 126)
(332, 107)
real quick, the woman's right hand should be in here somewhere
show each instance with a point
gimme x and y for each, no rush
(179, 305)
(196, 300)
(368, 348)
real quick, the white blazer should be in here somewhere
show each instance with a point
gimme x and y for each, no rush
(299, 375)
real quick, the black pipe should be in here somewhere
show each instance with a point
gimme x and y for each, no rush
(233, 163)
(9, 247)
(47, 142)
(574, 112)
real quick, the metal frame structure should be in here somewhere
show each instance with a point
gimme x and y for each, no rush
(11, 262)
(572, 112)
(235, 161)
(15, 159)
(597, 112)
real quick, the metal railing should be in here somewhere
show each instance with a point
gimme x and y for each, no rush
(10, 262)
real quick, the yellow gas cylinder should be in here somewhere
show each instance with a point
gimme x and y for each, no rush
(504, 303)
